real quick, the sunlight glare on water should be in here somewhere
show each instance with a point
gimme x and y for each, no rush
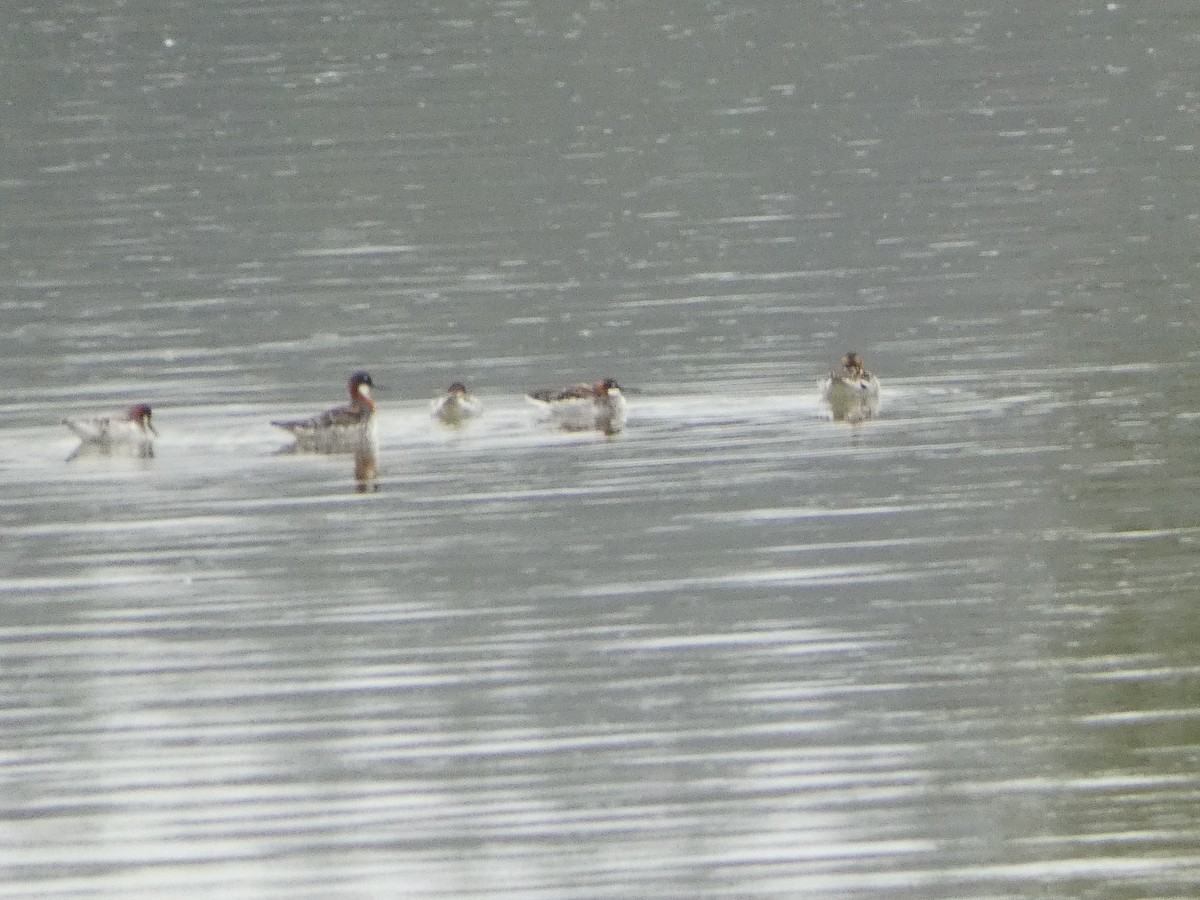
(739, 650)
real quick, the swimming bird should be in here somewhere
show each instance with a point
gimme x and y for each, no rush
(851, 392)
(583, 407)
(339, 429)
(133, 431)
(455, 407)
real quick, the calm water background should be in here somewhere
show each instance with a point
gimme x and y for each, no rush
(740, 651)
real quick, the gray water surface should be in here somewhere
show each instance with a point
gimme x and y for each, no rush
(740, 650)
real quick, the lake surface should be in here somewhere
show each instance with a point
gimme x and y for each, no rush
(740, 650)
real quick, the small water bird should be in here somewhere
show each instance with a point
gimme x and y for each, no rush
(342, 428)
(851, 392)
(583, 407)
(456, 407)
(133, 431)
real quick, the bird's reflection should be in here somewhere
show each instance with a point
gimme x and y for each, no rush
(852, 408)
(143, 451)
(363, 450)
(366, 467)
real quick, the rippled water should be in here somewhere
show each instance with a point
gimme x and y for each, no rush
(740, 650)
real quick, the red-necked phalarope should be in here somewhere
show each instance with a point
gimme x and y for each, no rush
(133, 431)
(585, 406)
(343, 428)
(851, 392)
(456, 407)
